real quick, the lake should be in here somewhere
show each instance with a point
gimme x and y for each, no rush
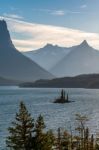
(40, 101)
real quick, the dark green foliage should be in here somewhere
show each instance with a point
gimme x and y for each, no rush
(21, 130)
(97, 143)
(62, 98)
(97, 147)
(39, 136)
(81, 81)
(62, 94)
(67, 98)
(42, 140)
(50, 140)
(58, 145)
(25, 134)
(92, 142)
(39, 125)
(84, 141)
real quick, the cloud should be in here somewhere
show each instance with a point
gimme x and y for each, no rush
(14, 16)
(29, 36)
(73, 12)
(58, 13)
(51, 11)
(83, 6)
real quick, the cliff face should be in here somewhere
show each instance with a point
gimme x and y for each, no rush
(14, 65)
(5, 40)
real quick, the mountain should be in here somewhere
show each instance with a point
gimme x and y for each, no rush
(4, 81)
(81, 81)
(48, 56)
(83, 59)
(13, 64)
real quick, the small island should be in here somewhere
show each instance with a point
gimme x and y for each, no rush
(62, 99)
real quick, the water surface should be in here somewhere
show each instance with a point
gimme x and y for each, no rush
(40, 101)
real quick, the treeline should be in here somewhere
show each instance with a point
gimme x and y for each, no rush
(80, 81)
(29, 134)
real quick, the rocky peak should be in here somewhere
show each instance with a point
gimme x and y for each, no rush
(84, 43)
(5, 39)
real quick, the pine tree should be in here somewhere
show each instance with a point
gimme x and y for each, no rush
(81, 128)
(21, 130)
(40, 125)
(42, 140)
(49, 140)
(86, 138)
(92, 143)
(59, 147)
(67, 98)
(39, 137)
(62, 94)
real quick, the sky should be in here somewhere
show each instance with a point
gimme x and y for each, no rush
(34, 23)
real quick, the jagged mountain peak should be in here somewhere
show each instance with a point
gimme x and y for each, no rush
(48, 56)
(48, 45)
(83, 59)
(5, 38)
(3, 24)
(84, 43)
(14, 65)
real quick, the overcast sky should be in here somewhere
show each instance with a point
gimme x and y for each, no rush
(34, 23)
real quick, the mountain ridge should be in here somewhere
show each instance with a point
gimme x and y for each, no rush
(48, 56)
(83, 59)
(15, 65)
(8, 82)
(90, 81)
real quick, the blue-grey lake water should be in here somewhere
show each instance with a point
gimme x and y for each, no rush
(40, 101)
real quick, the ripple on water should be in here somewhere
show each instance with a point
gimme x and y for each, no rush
(40, 101)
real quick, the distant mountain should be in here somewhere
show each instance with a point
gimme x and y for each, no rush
(13, 64)
(48, 56)
(4, 81)
(81, 81)
(83, 59)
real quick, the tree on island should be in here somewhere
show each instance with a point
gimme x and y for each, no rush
(62, 98)
(62, 94)
(67, 98)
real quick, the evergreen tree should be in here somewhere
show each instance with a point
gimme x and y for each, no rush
(49, 140)
(92, 143)
(21, 130)
(59, 146)
(39, 126)
(42, 140)
(67, 98)
(38, 143)
(86, 139)
(62, 94)
(81, 128)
